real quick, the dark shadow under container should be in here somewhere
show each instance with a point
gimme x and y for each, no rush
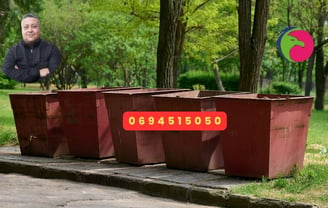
(135, 147)
(266, 134)
(86, 122)
(39, 124)
(191, 150)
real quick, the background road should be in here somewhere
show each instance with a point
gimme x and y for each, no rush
(19, 191)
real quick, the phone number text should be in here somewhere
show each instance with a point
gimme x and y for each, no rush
(174, 121)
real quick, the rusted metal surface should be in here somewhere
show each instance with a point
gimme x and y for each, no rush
(134, 147)
(191, 150)
(86, 122)
(39, 124)
(266, 134)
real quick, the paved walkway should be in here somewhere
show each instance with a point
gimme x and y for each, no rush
(210, 188)
(21, 191)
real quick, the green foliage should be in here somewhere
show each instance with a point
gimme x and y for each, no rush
(7, 124)
(108, 47)
(283, 88)
(6, 83)
(207, 79)
(310, 176)
(188, 79)
(198, 87)
(230, 81)
(212, 34)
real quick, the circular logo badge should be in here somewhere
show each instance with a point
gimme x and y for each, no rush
(294, 44)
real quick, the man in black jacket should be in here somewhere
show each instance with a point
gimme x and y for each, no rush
(32, 58)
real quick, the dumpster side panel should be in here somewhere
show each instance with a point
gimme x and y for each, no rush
(289, 128)
(180, 151)
(190, 150)
(149, 147)
(57, 140)
(149, 144)
(245, 142)
(135, 147)
(86, 121)
(30, 120)
(39, 124)
(80, 122)
(124, 141)
(106, 147)
(212, 150)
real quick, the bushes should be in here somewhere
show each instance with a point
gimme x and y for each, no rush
(6, 83)
(283, 88)
(192, 79)
(207, 79)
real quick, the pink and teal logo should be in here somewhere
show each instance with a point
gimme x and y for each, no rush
(295, 45)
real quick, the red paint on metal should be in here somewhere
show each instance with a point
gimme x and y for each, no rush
(134, 147)
(266, 134)
(39, 124)
(191, 150)
(86, 122)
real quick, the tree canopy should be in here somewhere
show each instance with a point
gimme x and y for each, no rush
(110, 43)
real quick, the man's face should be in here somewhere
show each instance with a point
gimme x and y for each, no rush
(30, 30)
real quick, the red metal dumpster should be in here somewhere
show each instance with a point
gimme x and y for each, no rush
(134, 147)
(191, 150)
(86, 122)
(266, 134)
(39, 124)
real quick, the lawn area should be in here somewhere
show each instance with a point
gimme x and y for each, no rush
(7, 124)
(309, 185)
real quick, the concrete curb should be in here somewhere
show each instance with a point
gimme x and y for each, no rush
(182, 192)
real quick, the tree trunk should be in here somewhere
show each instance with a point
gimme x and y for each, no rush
(84, 78)
(308, 83)
(4, 8)
(218, 78)
(251, 44)
(300, 74)
(320, 79)
(126, 77)
(169, 15)
(179, 42)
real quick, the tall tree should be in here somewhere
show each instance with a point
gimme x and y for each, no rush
(4, 8)
(170, 11)
(313, 20)
(182, 12)
(319, 68)
(179, 42)
(251, 42)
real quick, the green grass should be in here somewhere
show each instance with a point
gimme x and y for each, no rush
(309, 186)
(318, 131)
(7, 124)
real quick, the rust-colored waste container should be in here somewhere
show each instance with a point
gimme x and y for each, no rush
(39, 124)
(86, 122)
(134, 147)
(266, 134)
(191, 150)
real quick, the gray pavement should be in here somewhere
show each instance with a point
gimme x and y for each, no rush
(19, 191)
(210, 188)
